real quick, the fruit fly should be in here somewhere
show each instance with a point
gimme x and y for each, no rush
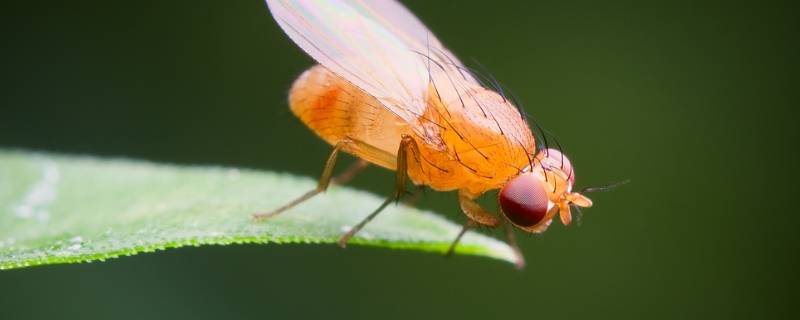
(388, 92)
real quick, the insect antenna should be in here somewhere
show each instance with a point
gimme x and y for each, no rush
(605, 188)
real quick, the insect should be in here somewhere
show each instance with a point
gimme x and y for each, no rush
(388, 92)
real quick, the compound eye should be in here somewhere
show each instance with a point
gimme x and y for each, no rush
(524, 200)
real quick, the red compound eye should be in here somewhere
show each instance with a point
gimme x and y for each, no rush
(524, 200)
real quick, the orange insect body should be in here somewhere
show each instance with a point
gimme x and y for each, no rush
(456, 153)
(387, 91)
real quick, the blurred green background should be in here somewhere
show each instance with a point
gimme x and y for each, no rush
(692, 101)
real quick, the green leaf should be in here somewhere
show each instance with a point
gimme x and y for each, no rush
(66, 209)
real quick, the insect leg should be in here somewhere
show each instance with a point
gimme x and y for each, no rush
(474, 211)
(324, 181)
(413, 196)
(512, 241)
(406, 144)
(470, 224)
(520, 264)
(477, 217)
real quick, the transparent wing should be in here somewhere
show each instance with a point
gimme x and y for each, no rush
(396, 18)
(378, 45)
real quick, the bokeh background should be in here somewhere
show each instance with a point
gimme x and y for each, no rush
(693, 101)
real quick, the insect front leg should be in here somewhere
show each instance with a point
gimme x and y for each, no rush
(324, 180)
(512, 241)
(477, 216)
(474, 211)
(468, 225)
(407, 147)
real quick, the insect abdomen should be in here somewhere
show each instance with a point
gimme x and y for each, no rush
(335, 109)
